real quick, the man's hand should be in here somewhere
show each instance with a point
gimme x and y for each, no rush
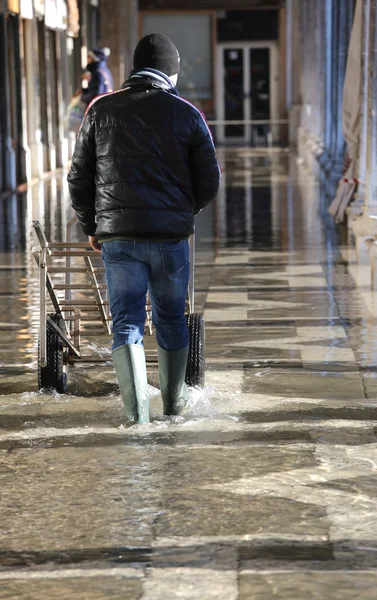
(93, 241)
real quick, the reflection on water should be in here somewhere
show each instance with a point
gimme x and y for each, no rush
(258, 208)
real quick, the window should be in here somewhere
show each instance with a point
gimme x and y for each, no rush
(192, 34)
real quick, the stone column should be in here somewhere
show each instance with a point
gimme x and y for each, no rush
(370, 212)
(334, 87)
(343, 17)
(303, 78)
(357, 205)
(132, 19)
(119, 31)
(326, 27)
(311, 132)
(294, 60)
(328, 74)
(62, 86)
(8, 171)
(52, 100)
(306, 111)
(32, 102)
(310, 66)
(321, 56)
(363, 217)
(371, 174)
(315, 79)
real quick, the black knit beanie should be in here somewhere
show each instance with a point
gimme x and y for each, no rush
(156, 51)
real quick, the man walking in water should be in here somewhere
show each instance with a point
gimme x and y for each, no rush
(144, 166)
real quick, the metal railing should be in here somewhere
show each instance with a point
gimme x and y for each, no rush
(251, 132)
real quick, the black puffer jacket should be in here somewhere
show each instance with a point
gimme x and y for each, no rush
(144, 163)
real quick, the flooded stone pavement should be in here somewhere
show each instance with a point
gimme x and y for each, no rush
(266, 486)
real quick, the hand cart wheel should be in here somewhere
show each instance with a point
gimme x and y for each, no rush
(195, 371)
(52, 376)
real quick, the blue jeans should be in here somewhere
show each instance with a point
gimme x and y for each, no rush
(133, 268)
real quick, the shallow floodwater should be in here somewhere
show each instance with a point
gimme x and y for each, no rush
(265, 486)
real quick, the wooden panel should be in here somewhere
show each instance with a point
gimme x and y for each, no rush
(211, 4)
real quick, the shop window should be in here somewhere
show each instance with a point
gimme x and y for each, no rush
(248, 25)
(192, 34)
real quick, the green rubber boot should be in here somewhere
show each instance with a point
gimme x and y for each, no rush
(172, 370)
(131, 371)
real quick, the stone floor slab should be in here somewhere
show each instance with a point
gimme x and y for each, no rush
(98, 587)
(308, 586)
(302, 383)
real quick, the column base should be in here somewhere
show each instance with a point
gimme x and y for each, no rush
(309, 148)
(331, 174)
(65, 152)
(294, 125)
(364, 230)
(10, 177)
(36, 160)
(358, 204)
(49, 158)
(373, 263)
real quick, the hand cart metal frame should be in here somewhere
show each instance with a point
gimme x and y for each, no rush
(63, 315)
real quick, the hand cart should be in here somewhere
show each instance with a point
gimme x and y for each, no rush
(74, 306)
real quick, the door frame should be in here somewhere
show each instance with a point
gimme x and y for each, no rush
(220, 91)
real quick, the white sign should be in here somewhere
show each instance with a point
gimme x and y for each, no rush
(39, 7)
(51, 14)
(26, 7)
(62, 14)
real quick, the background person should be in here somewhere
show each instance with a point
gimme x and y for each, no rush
(144, 165)
(101, 79)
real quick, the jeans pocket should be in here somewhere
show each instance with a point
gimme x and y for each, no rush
(175, 257)
(122, 251)
(169, 246)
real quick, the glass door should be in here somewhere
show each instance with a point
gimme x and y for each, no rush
(246, 90)
(234, 88)
(260, 96)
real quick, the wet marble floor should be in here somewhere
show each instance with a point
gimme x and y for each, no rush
(266, 486)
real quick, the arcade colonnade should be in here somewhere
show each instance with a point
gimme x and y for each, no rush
(332, 100)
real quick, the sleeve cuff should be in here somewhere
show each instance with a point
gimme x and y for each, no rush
(89, 229)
